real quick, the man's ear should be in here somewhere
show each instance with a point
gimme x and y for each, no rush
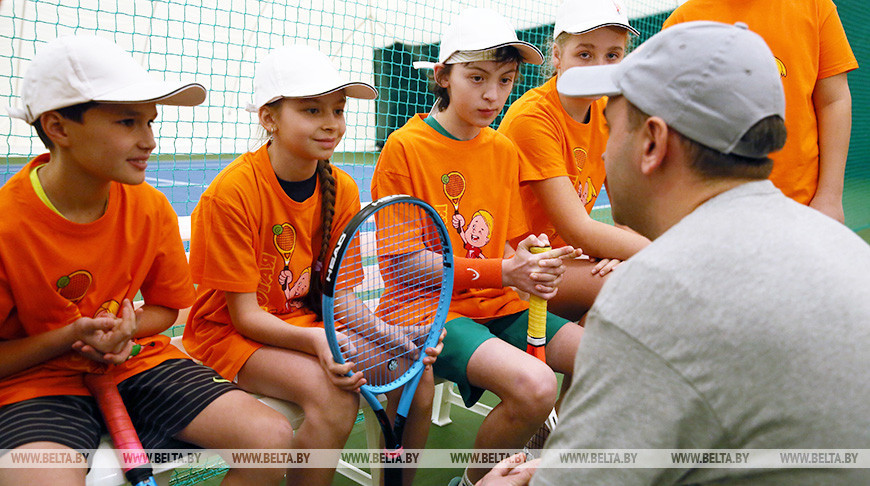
(54, 127)
(654, 143)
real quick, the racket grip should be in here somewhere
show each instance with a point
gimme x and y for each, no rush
(134, 461)
(537, 334)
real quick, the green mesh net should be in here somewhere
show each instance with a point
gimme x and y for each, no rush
(218, 44)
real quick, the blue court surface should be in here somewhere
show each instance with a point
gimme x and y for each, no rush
(184, 182)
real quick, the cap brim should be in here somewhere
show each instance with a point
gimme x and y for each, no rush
(588, 82)
(590, 29)
(529, 52)
(355, 89)
(163, 93)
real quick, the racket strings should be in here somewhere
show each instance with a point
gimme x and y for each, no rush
(396, 294)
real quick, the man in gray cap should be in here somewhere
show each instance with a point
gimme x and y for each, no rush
(745, 325)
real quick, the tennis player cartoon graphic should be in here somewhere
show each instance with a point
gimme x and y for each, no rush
(297, 291)
(477, 234)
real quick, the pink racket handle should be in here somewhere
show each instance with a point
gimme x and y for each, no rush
(119, 424)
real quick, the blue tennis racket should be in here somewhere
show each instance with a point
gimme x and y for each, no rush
(386, 293)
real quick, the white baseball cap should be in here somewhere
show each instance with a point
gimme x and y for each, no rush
(710, 81)
(581, 16)
(300, 71)
(475, 31)
(77, 69)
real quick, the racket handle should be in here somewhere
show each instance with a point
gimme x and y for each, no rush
(537, 334)
(134, 462)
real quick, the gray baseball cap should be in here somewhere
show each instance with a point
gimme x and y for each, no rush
(710, 81)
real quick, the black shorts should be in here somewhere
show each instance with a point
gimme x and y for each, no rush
(161, 402)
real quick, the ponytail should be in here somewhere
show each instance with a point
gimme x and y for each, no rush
(313, 300)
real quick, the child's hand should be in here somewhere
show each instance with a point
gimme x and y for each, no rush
(458, 221)
(107, 358)
(337, 373)
(605, 266)
(432, 353)
(537, 274)
(107, 343)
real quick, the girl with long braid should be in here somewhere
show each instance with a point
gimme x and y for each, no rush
(262, 234)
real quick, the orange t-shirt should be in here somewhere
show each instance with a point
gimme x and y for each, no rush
(552, 144)
(234, 248)
(54, 271)
(415, 161)
(810, 44)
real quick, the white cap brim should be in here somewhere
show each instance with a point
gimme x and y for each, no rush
(589, 81)
(164, 93)
(594, 27)
(354, 89)
(160, 92)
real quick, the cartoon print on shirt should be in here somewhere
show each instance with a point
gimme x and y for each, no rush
(587, 192)
(580, 158)
(781, 65)
(297, 291)
(108, 308)
(74, 286)
(454, 188)
(284, 238)
(477, 234)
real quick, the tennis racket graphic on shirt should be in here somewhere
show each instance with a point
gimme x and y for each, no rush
(284, 237)
(383, 317)
(134, 461)
(536, 341)
(74, 286)
(454, 188)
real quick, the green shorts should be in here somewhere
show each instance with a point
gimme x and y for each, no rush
(465, 335)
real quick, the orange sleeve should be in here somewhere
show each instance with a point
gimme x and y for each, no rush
(835, 54)
(539, 144)
(391, 173)
(222, 254)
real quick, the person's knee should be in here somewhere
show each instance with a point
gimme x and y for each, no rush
(533, 394)
(334, 413)
(269, 432)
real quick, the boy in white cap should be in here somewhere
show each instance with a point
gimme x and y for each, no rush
(468, 171)
(561, 140)
(257, 317)
(80, 236)
(750, 342)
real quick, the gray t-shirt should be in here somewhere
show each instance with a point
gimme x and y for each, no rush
(744, 326)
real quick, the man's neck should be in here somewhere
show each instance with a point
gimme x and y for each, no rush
(684, 200)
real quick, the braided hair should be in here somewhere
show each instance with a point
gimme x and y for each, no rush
(327, 212)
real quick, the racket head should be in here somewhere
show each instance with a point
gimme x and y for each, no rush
(376, 294)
